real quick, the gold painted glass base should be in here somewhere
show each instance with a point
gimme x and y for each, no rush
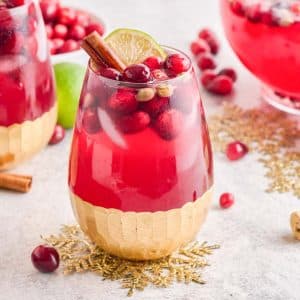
(141, 235)
(20, 142)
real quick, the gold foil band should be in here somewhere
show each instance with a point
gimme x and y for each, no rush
(19, 142)
(141, 235)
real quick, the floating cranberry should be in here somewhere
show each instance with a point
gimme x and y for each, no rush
(237, 8)
(236, 150)
(137, 73)
(66, 16)
(229, 72)
(90, 121)
(199, 46)
(95, 27)
(135, 122)
(156, 106)
(226, 200)
(14, 3)
(69, 46)
(206, 61)
(110, 73)
(177, 63)
(153, 62)
(169, 124)
(221, 85)
(253, 13)
(58, 135)
(82, 18)
(207, 76)
(77, 32)
(7, 41)
(159, 75)
(45, 259)
(123, 101)
(49, 9)
(60, 31)
(268, 18)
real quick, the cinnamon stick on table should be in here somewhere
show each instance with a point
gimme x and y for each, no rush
(100, 52)
(14, 182)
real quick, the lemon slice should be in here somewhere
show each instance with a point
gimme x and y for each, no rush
(133, 46)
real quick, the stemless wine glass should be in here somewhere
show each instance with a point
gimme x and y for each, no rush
(141, 181)
(27, 96)
(265, 36)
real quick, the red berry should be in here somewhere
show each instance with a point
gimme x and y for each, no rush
(55, 45)
(169, 124)
(69, 46)
(236, 150)
(82, 18)
(123, 101)
(206, 61)
(177, 63)
(229, 72)
(253, 13)
(199, 46)
(135, 122)
(95, 27)
(137, 73)
(60, 31)
(58, 135)
(213, 45)
(77, 32)
(237, 8)
(226, 200)
(45, 259)
(205, 34)
(268, 18)
(66, 16)
(49, 31)
(90, 121)
(153, 62)
(110, 73)
(207, 76)
(221, 85)
(159, 75)
(155, 106)
(49, 9)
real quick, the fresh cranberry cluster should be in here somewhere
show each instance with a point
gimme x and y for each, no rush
(207, 45)
(160, 105)
(17, 32)
(269, 12)
(66, 27)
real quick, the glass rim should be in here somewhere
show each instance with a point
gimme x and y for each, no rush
(113, 82)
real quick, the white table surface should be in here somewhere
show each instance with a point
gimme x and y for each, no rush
(258, 260)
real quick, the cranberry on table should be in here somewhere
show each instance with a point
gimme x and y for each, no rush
(229, 72)
(199, 46)
(77, 32)
(177, 63)
(226, 200)
(137, 73)
(206, 61)
(58, 135)
(207, 76)
(221, 85)
(236, 150)
(60, 31)
(69, 46)
(153, 62)
(110, 73)
(210, 38)
(45, 259)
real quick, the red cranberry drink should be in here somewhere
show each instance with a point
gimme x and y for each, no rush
(141, 163)
(27, 96)
(265, 36)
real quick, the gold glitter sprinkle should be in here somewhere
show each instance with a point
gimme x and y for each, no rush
(271, 133)
(79, 254)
